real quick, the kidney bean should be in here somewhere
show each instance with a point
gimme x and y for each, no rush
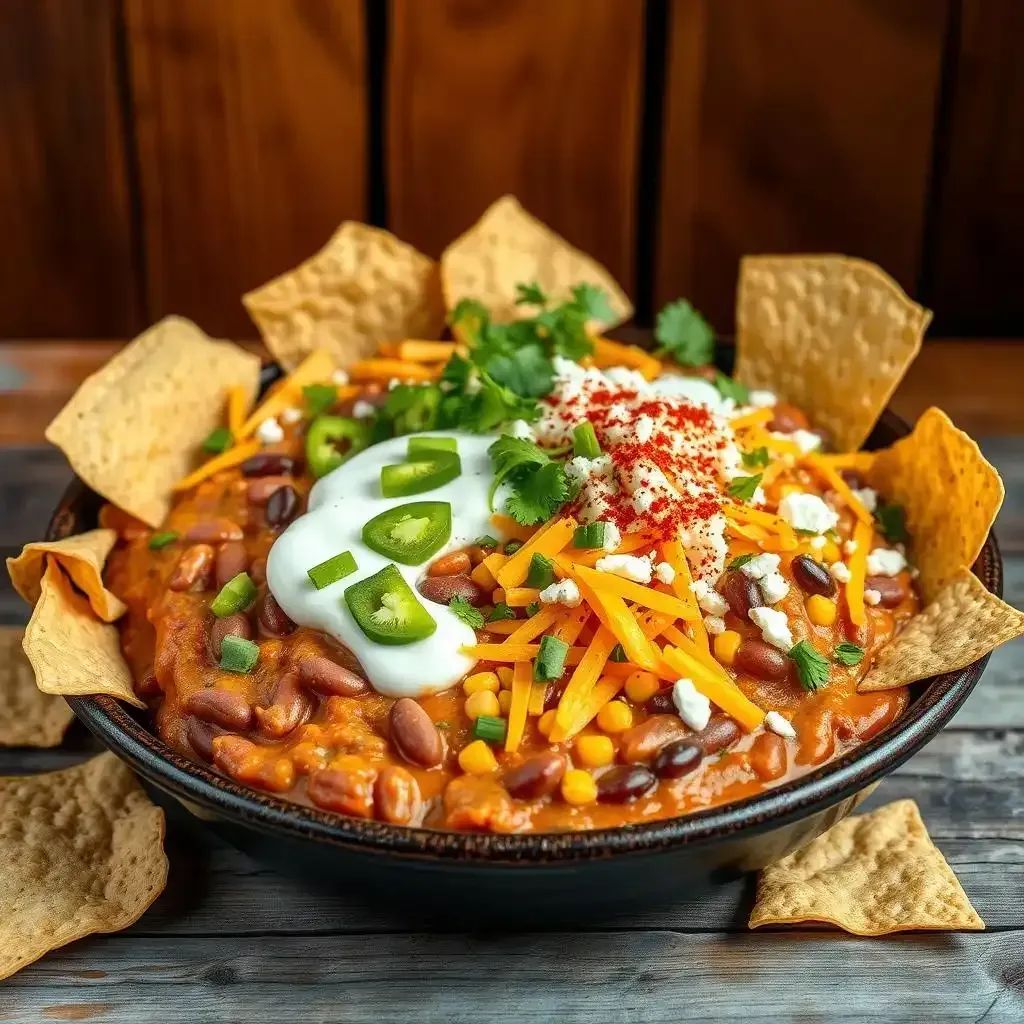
(200, 736)
(761, 660)
(232, 559)
(194, 568)
(220, 707)
(721, 732)
(214, 531)
(347, 790)
(625, 783)
(328, 677)
(413, 734)
(443, 588)
(661, 703)
(892, 589)
(273, 620)
(535, 777)
(231, 625)
(260, 490)
(282, 507)
(853, 478)
(456, 563)
(768, 756)
(291, 707)
(677, 759)
(258, 571)
(270, 464)
(787, 418)
(396, 795)
(812, 576)
(741, 592)
(643, 741)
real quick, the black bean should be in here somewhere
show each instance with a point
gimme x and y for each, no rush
(282, 507)
(270, 464)
(677, 759)
(812, 576)
(626, 783)
(741, 593)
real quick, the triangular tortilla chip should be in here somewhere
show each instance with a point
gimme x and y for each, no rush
(870, 875)
(363, 287)
(509, 246)
(830, 334)
(28, 717)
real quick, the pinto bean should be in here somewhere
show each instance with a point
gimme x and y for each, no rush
(396, 795)
(200, 736)
(232, 558)
(231, 625)
(328, 677)
(761, 660)
(220, 707)
(643, 741)
(282, 507)
(721, 732)
(258, 571)
(270, 464)
(272, 619)
(625, 783)
(677, 759)
(194, 569)
(812, 576)
(892, 589)
(741, 593)
(413, 734)
(348, 790)
(443, 588)
(456, 563)
(768, 756)
(260, 490)
(291, 707)
(786, 418)
(535, 777)
(214, 531)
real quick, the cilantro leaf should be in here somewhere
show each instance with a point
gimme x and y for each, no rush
(743, 488)
(758, 457)
(848, 654)
(565, 330)
(739, 561)
(465, 612)
(891, 521)
(684, 334)
(537, 497)
(729, 388)
(319, 398)
(501, 611)
(526, 371)
(532, 608)
(811, 665)
(530, 295)
(470, 315)
(493, 405)
(410, 408)
(457, 372)
(594, 302)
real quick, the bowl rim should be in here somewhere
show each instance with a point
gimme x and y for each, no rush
(206, 790)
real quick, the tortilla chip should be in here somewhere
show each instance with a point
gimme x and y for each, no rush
(82, 851)
(871, 874)
(363, 287)
(964, 623)
(28, 718)
(71, 652)
(831, 334)
(509, 246)
(135, 427)
(950, 494)
(82, 557)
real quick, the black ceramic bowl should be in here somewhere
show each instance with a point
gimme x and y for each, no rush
(526, 879)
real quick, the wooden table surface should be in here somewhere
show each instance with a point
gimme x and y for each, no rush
(231, 940)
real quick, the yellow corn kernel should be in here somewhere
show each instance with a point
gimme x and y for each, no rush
(820, 610)
(546, 722)
(481, 575)
(505, 677)
(481, 681)
(829, 552)
(641, 686)
(615, 717)
(726, 646)
(482, 703)
(477, 758)
(595, 751)
(497, 595)
(505, 702)
(789, 489)
(578, 787)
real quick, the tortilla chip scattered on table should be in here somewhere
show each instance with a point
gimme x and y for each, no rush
(509, 246)
(82, 851)
(82, 557)
(134, 428)
(70, 650)
(28, 717)
(871, 874)
(363, 287)
(830, 334)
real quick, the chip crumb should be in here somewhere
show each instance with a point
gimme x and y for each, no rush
(28, 717)
(872, 874)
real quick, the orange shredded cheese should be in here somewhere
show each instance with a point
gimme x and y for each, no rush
(232, 457)
(549, 540)
(569, 629)
(757, 418)
(520, 597)
(704, 656)
(507, 526)
(616, 616)
(483, 576)
(538, 695)
(548, 616)
(831, 476)
(673, 553)
(238, 406)
(615, 353)
(773, 523)
(646, 597)
(721, 693)
(604, 690)
(503, 626)
(522, 680)
(582, 682)
(315, 368)
(414, 350)
(506, 653)
(862, 535)
(386, 369)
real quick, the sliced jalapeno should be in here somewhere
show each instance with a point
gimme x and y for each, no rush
(386, 609)
(419, 475)
(332, 440)
(410, 533)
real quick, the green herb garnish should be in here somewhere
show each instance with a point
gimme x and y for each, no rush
(465, 612)
(758, 457)
(848, 654)
(743, 488)
(501, 611)
(729, 388)
(319, 398)
(739, 561)
(684, 334)
(537, 484)
(891, 521)
(811, 665)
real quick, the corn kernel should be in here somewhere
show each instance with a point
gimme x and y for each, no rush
(641, 686)
(726, 646)
(505, 702)
(595, 751)
(505, 677)
(578, 787)
(482, 703)
(789, 489)
(829, 553)
(615, 717)
(820, 610)
(477, 758)
(546, 722)
(481, 681)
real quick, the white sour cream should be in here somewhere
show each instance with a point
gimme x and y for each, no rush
(339, 505)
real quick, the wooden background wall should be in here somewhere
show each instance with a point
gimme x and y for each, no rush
(166, 155)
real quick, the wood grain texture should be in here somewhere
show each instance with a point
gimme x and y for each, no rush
(794, 126)
(251, 128)
(537, 98)
(66, 259)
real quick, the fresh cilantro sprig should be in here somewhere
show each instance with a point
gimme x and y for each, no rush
(531, 295)
(537, 483)
(848, 654)
(729, 388)
(758, 457)
(501, 611)
(891, 521)
(684, 334)
(319, 398)
(465, 612)
(739, 561)
(811, 665)
(743, 488)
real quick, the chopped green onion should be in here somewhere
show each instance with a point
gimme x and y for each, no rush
(618, 654)
(550, 661)
(489, 729)
(584, 441)
(219, 441)
(512, 546)
(161, 540)
(422, 445)
(532, 608)
(541, 573)
(486, 541)
(337, 567)
(238, 654)
(590, 535)
(235, 596)
(501, 611)
(319, 398)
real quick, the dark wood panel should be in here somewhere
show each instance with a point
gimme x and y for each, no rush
(534, 97)
(66, 258)
(795, 126)
(979, 233)
(251, 126)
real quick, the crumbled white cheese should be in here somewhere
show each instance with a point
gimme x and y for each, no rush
(760, 566)
(581, 470)
(885, 562)
(520, 429)
(665, 573)
(774, 627)
(269, 432)
(780, 725)
(710, 600)
(817, 543)
(849, 547)
(361, 410)
(773, 587)
(714, 624)
(760, 399)
(644, 428)
(564, 592)
(291, 414)
(643, 501)
(807, 440)
(807, 512)
(840, 572)
(694, 389)
(872, 597)
(693, 707)
(624, 377)
(758, 497)
(612, 537)
(630, 567)
(340, 378)
(867, 496)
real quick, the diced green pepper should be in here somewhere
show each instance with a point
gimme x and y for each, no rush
(386, 609)
(235, 596)
(419, 475)
(332, 440)
(550, 661)
(218, 441)
(333, 569)
(584, 441)
(512, 546)
(410, 533)
(590, 535)
(238, 654)
(541, 573)
(489, 729)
